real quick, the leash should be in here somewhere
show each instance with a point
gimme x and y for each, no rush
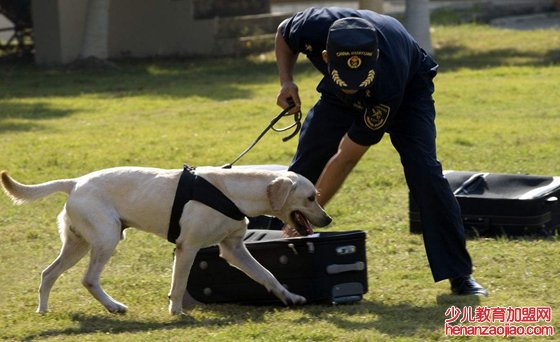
(285, 112)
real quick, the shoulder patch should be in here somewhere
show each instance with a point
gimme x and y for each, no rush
(376, 116)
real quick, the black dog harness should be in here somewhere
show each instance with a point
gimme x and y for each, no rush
(193, 187)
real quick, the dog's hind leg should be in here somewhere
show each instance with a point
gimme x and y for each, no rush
(236, 254)
(73, 249)
(104, 235)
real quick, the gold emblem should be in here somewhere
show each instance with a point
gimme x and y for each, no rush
(354, 62)
(337, 80)
(308, 47)
(376, 117)
(368, 80)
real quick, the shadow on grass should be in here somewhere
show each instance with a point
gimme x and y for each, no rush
(218, 79)
(115, 324)
(12, 113)
(89, 324)
(399, 320)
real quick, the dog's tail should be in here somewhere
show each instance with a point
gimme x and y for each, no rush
(21, 193)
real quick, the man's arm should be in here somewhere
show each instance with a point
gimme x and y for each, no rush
(338, 168)
(286, 61)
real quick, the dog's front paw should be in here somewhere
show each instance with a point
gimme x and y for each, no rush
(117, 308)
(175, 308)
(294, 299)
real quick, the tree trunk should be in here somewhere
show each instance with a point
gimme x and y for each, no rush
(417, 22)
(96, 30)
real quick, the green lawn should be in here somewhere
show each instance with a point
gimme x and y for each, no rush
(497, 99)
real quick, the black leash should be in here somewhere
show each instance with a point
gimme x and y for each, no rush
(285, 112)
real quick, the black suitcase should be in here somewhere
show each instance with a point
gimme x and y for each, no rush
(494, 204)
(328, 267)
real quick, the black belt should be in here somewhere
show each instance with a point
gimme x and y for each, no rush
(193, 187)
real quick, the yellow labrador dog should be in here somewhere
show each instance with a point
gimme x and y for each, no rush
(103, 203)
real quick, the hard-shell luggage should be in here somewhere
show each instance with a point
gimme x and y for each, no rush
(328, 267)
(495, 204)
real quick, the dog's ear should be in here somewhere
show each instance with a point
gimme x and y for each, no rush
(278, 192)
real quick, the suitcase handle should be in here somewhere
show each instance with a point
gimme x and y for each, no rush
(340, 268)
(471, 184)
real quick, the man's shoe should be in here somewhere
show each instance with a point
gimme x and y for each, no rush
(467, 286)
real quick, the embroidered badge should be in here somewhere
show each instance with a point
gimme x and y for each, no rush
(354, 62)
(376, 117)
(337, 80)
(368, 80)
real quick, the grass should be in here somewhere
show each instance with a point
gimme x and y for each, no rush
(497, 100)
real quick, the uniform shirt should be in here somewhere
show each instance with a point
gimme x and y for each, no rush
(400, 59)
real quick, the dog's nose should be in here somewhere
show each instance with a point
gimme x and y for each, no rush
(326, 221)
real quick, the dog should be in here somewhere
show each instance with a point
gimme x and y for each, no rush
(101, 204)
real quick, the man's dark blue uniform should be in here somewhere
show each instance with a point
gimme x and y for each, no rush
(398, 102)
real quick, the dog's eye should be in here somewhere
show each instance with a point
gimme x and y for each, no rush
(311, 198)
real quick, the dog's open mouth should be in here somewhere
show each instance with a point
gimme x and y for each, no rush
(301, 223)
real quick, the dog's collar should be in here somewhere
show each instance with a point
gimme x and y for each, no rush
(193, 187)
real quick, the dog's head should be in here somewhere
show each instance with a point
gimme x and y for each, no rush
(293, 199)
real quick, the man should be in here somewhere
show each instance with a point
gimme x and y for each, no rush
(376, 80)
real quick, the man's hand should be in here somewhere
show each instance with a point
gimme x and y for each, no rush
(289, 94)
(289, 231)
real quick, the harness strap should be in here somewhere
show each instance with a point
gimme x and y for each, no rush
(193, 187)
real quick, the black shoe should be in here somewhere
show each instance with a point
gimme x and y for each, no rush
(467, 286)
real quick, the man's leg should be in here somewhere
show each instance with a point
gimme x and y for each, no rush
(413, 136)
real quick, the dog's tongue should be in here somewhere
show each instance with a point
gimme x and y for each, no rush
(304, 222)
